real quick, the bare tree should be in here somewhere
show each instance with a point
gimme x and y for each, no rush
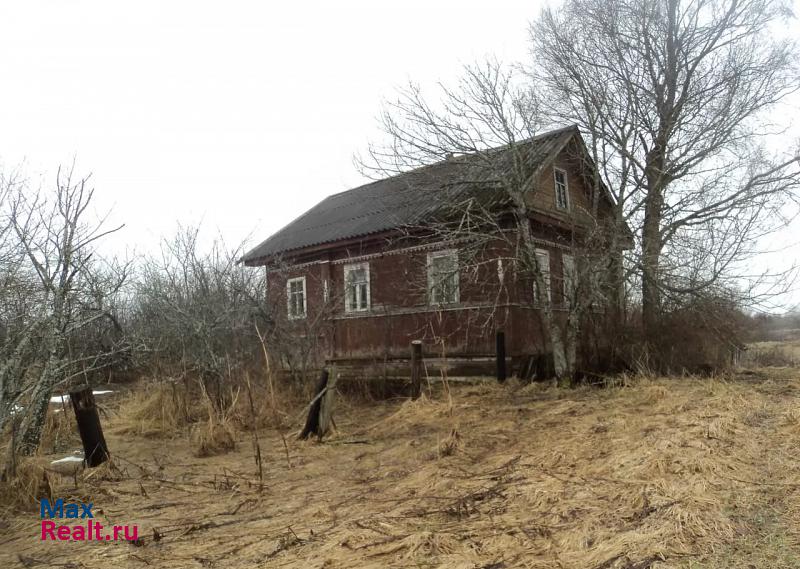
(300, 344)
(195, 312)
(673, 97)
(19, 311)
(68, 292)
(483, 128)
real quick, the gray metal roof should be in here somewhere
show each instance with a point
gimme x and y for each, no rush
(401, 201)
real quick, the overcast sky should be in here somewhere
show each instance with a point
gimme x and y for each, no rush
(241, 115)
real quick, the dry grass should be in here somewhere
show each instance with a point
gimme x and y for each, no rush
(451, 444)
(216, 434)
(27, 483)
(692, 473)
(773, 354)
(157, 410)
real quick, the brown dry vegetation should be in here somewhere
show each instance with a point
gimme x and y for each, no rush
(686, 472)
(774, 353)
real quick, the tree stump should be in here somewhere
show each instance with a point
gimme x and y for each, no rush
(320, 415)
(95, 450)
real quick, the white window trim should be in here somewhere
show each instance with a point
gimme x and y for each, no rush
(545, 275)
(566, 189)
(289, 299)
(436, 255)
(347, 306)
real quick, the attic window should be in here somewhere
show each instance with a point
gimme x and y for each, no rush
(443, 277)
(356, 278)
(296, 298)
(562, 190)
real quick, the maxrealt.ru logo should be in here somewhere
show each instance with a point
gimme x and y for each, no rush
(91, 530)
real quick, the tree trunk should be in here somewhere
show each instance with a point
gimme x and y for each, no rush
(651, 247)
(658, 178)
(561, 363)
(36, 414)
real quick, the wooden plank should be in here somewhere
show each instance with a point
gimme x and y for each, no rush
(416, 369)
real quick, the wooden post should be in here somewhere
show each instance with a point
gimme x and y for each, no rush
(416, 369)
(95, 450)
(501, 356)
(320, 413)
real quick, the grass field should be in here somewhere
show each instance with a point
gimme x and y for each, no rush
(693, 473)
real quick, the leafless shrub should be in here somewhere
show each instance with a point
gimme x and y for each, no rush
(770, 356)
(702, 335)
(196, 313)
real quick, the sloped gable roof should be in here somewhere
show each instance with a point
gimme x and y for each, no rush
(399, 201)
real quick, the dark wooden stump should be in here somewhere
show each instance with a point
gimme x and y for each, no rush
(320, 415)
(416, 369)
(95, 450)
(501, 356)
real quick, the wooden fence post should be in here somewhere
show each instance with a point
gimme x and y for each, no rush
(320, 411)
(95, 450)
(416, 368)
(500, 354)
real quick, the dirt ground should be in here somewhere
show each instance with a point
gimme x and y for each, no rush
(690, 473)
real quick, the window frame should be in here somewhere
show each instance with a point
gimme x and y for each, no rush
(556, 184)
(289, 303)
(452, 253)
(546, 275)
(348, 307)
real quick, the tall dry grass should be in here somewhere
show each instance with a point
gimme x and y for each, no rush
(216, 433)
(157, 409)
(59, 433)
(25, 481)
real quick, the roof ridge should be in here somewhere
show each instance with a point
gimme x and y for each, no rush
(528, 140)
(331, 211)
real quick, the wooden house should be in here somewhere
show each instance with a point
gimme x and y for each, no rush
(359, 275)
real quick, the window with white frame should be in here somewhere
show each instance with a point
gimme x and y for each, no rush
(356, 283)
(543, 262)
(296, 298)
(562, 189)
(443, 277)
(569, 277)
